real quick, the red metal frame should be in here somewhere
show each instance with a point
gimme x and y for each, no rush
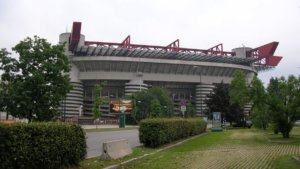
(125, 43)
(216, 50)
(174, 46)
(75, 35)
(264, 54)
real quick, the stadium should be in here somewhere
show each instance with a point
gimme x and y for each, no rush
(189, 74)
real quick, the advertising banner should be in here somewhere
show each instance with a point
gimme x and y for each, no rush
(120, 106)
(216, 122)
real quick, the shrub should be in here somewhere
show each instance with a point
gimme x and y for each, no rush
(41, 145)
(156, 132)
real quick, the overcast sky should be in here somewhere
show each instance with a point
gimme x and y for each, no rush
(197, 23)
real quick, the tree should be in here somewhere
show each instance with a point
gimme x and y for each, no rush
(284, 102)
(8, 66)
(143, 104)
(143, 101)
(239, 90)
(164, 98)
(258, 96)
(219, 101)
(190, 110)
(97, 100)
(155, 109)
(36, 82)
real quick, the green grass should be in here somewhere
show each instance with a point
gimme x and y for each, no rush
(286, 162)
(96, 163)
(181, 156)
(277, 138)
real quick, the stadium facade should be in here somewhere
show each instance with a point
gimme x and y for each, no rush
(189, 74)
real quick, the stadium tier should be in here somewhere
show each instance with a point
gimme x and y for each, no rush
(189, 74)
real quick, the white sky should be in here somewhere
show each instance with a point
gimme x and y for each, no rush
(197, 23)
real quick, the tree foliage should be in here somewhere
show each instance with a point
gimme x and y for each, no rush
(284, 103)
(34, 84)
(144, 103)
(219, 101)
(190, 110)
(163, 96)
(258, 96)
(155, 109)
(239, 90)
(97, 100)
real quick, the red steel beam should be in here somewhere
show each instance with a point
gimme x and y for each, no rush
(125, 43)
(215, 50)
(75, 36)
(156, 47)
(174, 46)
(273, 60)
(265, 54)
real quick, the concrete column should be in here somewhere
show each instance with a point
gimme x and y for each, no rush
(135, 85)
(202, 90)
(73, 103)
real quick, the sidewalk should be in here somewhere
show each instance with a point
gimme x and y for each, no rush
(106, 126)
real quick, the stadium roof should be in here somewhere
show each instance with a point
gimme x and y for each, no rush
(261, 57)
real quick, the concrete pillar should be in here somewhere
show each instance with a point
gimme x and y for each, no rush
(135, 85)
(73, 103)
(202, 90)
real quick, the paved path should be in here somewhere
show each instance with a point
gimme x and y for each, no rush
(95, 140)
(240, 157)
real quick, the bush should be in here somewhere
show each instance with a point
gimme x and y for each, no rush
(156, 132)
(41, 145)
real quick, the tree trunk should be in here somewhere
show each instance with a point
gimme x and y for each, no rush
(286, 134)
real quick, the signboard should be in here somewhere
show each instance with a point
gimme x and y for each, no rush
(216, 121)
(183, 108)
(182, 102)
(120, 106)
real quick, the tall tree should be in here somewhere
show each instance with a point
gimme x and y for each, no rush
(143, 99)
(218, 101)
(258, 96)
(9, 68)
(190, 110)
(143, 104)
(239, 93)
(155, 109)
(164, 98)
(97, 100)
(37, 81)
(284, 102)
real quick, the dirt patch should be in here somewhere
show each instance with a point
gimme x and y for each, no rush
(242, 135)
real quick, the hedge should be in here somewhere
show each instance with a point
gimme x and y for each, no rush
(41, 145)
(156, 132)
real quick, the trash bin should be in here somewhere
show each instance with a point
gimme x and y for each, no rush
(122, 120)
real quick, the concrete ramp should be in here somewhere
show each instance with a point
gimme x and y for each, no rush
(115, 149)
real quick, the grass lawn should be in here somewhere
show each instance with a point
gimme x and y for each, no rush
(97, 163)
(294, 138)
(236, 148)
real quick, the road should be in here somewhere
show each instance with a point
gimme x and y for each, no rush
(95, 139)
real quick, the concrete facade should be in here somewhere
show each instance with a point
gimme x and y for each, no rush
(127, 71)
